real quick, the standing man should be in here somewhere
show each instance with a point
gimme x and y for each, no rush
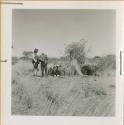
(44, 61)
(35, 62)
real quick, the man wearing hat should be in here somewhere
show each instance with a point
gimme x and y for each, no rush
(35, 62)
(44, 61)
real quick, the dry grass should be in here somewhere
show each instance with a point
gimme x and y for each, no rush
(57, 96)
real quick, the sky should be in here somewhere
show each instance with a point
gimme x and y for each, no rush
(52, 30)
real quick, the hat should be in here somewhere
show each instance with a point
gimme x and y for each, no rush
(35, 50)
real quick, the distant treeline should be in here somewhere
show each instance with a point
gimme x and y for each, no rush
(77, 51)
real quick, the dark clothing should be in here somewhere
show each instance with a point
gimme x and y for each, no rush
(50, 71)
(43, 63)
(55, 71)
(43, 58)
(35, 63)
(35, 50)
(44, 70)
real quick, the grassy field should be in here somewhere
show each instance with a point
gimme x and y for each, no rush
(61, 96)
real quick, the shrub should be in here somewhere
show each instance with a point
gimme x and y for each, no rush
(89, 70)
(77, 50)
(14, 60)
(100, 92)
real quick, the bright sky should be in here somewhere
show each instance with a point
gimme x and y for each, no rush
(51, 30)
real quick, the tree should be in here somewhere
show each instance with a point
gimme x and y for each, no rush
(27, 54)
(77, 50)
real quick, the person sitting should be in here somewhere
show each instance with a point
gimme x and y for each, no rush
(50, 71)
(57, 71)
(54, 71)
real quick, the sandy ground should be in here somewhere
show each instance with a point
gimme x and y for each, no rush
(61, 96)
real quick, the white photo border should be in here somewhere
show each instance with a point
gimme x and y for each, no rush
(7, 118)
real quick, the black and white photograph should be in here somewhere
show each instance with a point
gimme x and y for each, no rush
(63, 62)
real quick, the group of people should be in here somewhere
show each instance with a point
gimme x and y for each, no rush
(42, 60)
(56, 71)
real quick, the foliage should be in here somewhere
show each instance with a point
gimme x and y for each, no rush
(107, 62)
(89, 69)
(77, 50)
(14, 60)
(27, 54)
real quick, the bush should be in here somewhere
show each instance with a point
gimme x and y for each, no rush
(100, 92)
(107, 62)
(25, 59)
(89, 70)
(14, 60)
(77, 50)
(27, 54)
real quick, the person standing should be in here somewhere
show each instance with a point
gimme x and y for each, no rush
(35, 62)
(44, 61)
